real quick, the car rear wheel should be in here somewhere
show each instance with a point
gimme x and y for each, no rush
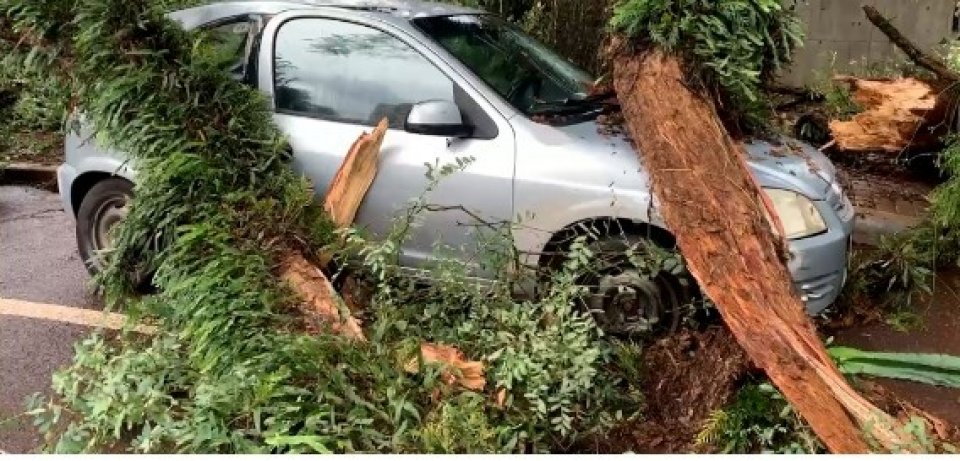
(103, 207)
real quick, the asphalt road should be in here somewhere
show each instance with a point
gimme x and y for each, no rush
(38, 263)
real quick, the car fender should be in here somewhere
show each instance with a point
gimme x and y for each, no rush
(532, 233)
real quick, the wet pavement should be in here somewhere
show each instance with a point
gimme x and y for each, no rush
(936, 334)
(39, 263)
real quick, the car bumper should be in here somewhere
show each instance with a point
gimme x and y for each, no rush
(66, 174)
(819, 263)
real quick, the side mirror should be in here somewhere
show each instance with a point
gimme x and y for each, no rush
(437, 117)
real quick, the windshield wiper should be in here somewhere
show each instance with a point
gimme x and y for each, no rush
(562, 108)
(602, 96)
(572, 105)
(569, 106)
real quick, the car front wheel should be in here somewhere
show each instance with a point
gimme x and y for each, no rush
(630, 297)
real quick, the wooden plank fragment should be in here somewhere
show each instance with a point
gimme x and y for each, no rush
(355, 176)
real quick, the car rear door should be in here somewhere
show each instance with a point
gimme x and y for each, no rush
(333, 75)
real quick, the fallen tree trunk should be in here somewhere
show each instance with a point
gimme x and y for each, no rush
(708, 197)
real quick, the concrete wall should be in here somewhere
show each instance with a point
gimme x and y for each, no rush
(839, 34)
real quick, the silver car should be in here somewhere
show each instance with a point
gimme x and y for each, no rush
(459, 83)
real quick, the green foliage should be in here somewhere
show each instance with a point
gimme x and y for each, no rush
(758, 421)
(229, 370)
(936, 369)
(733, 46)
(900, 270)
(838, 102)
(38, 78)
(459, 425)
(40, 100)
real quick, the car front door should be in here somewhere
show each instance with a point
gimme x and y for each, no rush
(332, 76)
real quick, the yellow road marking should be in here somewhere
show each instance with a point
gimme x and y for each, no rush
(71, 315)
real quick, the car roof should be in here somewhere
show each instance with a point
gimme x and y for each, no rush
(193, 17)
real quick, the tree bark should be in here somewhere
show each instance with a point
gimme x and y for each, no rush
(709, 199)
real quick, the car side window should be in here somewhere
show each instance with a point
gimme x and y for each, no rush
(229, 43)
(346, 72)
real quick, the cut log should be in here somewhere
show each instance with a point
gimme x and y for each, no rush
(898, 115)
(708, 197)
(354, 177)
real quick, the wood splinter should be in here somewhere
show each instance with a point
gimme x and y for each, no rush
(342, 200)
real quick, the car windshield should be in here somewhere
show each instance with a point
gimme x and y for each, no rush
(523, 71)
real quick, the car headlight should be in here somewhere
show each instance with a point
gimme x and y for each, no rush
(799, 216)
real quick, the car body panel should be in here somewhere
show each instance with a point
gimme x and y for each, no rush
(539, 178)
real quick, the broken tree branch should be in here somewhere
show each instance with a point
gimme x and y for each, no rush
(918, 56)
(342, 201)
(355, 176)
(343, 198)
(324, 305)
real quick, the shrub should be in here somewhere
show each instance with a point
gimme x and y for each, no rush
(758, 421)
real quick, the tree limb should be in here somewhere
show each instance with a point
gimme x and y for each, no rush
(918, 56)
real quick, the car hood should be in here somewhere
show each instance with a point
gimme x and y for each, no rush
(781, 163)
(787, 163)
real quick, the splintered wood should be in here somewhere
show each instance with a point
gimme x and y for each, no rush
(710, 200)
(343, 198)
(462, 372)
(355, 176)
(899, 114)
(323, 304)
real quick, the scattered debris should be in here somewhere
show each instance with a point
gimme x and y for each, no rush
(466, 374)
(692, 374)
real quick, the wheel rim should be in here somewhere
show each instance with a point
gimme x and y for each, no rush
(108, 215)
(631, 303)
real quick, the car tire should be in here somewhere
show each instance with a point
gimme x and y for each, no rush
(624, 301)
(102, 208)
